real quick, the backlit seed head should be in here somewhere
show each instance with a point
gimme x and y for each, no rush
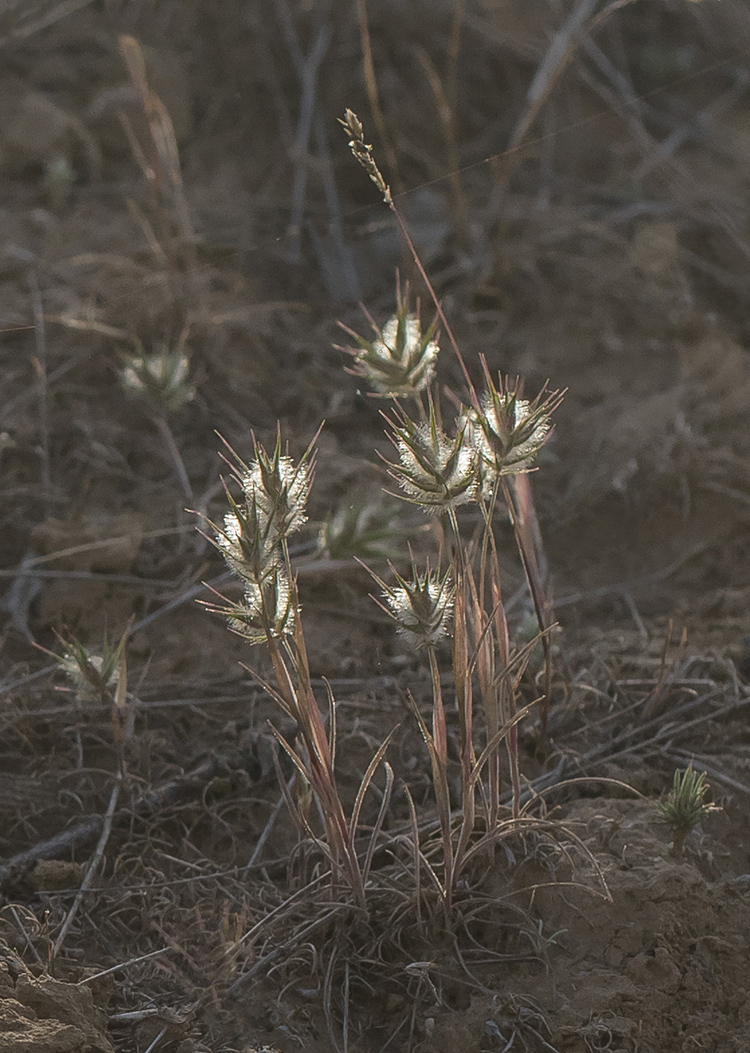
(507, 431)
(435, 471)
(248, 541)
(266, 610)
(278, 488)
(475, 439)
(400, 361)
(422, 607)
(363, 529)
(90, 674)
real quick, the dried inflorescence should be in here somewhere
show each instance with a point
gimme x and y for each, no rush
(266, 610)
(253, 540)
(362, 152)
(508, 431)
(436, 471)
(501, 437)
(422, 607)
(400, 361)
(93, 676)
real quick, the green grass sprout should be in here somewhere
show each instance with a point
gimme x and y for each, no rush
(685, 805)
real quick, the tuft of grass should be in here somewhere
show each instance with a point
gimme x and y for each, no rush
(254, 543)
(685, 805)
(439, 467)
(420, 883)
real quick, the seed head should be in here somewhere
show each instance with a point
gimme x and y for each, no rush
(422, 607)
(92, 675)
(267, 608)
(159, 379)
(248, 541)
(507, 431)
(400, 361)
(366, 530)
(278, 489)
(435, 471)
(362, 151)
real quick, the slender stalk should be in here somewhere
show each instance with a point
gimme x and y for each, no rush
(177, 462)
(40, 369)
(438, 307)
(524, 541)
(122, 724)
(464, 701)
(440, 776)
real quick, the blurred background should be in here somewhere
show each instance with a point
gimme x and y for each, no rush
(574, 176)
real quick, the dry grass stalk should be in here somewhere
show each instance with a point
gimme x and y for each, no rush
(254, 543)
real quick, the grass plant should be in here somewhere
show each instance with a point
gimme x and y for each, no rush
(439, 467)
(685, 805)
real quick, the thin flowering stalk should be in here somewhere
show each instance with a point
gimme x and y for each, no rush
(510, 431)
(436, 741)
(484, 661)
(438, 748)
(526, 551)
(422, 608)
(319, 770)
(362, 152)
(440, 772)
(465, 706)
(295, 694)
(506, 688)
(500, 695)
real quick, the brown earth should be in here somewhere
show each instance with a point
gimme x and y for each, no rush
(606, 249)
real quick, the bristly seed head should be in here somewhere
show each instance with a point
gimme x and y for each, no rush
(422, 608)
(252, 537)
(267, 608)
(278, 489)
(248, 542)
(92, 675)
(435, 471)
(275, 497)
(507, 431)
(400, 361)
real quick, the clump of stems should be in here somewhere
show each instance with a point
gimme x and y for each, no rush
(254, 543)
(484, 457)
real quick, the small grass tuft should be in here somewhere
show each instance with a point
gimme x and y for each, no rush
(685, 805)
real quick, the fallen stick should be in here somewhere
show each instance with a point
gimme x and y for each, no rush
(86, 832)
